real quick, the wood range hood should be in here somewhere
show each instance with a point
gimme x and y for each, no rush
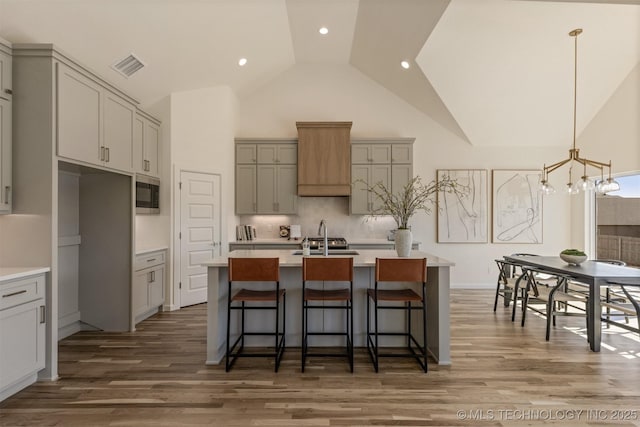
(324, 158)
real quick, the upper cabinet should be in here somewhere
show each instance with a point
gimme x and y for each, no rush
(324, 158)
(146, 145)
(266, 175)
(6, 87)
(387, 161)
(95, 125)
(6, 141)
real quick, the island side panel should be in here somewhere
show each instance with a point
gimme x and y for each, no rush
(438, 326)
(217, 286)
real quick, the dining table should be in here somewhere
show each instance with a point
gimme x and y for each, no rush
(592, 273)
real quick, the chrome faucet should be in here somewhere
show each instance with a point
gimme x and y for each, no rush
(323, 227)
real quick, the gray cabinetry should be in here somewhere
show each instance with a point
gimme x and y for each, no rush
(22, 332)
(266, 177)
(362, 201)
(387, 161)
(95, 125)
(6, 117)
(5, 156)
(6, 73)
(148, 284)
(146, 145)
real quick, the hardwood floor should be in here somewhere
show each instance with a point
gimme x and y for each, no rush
(502, 374)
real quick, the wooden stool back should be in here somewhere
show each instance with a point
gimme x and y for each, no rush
(254, 269)
(401, 269)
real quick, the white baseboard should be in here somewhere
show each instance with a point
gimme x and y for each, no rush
(170, 307)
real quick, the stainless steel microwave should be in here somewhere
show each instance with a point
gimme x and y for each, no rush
(147, 195)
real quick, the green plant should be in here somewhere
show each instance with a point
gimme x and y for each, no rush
(414, 196)
(575, 252)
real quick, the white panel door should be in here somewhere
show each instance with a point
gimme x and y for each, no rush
(200, 239)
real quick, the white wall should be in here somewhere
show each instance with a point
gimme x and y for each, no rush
(341, 93)
(613, 134)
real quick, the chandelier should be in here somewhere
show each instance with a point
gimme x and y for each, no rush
(584, 183)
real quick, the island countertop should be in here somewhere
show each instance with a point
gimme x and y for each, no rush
(365, 257)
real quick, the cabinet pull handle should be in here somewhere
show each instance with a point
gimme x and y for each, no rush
(102, 153)
(6, 194)
(107, 160)
(151, 260)
(8, 91)
(43, 314)
(13, 294)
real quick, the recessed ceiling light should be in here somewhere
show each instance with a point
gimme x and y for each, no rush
(323, 30)
(405, 65)
(242, 62)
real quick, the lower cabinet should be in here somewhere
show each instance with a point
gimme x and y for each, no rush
(22, 333)
(148, 284)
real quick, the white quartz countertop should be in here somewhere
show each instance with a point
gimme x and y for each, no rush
(12, 273)
(364, 241)
(282, 241)
(365, 257)
(149, 250)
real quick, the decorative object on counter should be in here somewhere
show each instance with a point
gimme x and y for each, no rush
(245, 232)
(391, 236)
(295, 232)
(306, 247)
(413, 197)
(284, 231)
(463, 219)
(584, 183)
(573, 256)
(517, 206)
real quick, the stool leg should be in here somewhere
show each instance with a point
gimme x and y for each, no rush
(304, 329)
(409, 323)
(424, 325)
(351, 330)
(375, 319)
(227, 365)
(276, 348)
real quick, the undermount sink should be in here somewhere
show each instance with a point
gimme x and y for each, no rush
(331, 252)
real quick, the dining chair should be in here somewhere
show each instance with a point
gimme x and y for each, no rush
(259, 271)
(624, 299)
(323, 297)
(551, 295)
(395, 274)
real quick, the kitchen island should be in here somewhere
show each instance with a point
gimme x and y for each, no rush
(438, 336)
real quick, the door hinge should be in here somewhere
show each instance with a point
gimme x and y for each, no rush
(180, 235)
(180, 285)
(179, 186)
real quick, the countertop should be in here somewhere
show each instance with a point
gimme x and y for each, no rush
(293, 242)
(12, 273)
(149, 250)
(365, 257)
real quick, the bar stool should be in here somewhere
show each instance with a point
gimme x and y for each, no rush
(398, 270)
(255, 270)
(327, 269)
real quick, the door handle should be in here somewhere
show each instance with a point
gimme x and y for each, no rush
(43, 314)
(107, 159)
(102, 153)
(8, 91)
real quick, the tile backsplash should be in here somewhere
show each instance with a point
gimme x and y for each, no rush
(335, 210)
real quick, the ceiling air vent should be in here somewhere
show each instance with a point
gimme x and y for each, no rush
(128, 66)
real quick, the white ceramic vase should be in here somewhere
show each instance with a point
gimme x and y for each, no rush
(404, 239)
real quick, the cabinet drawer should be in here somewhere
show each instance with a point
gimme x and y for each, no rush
(20, 291)
(149, 260)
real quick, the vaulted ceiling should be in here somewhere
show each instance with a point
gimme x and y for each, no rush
(494, 72)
